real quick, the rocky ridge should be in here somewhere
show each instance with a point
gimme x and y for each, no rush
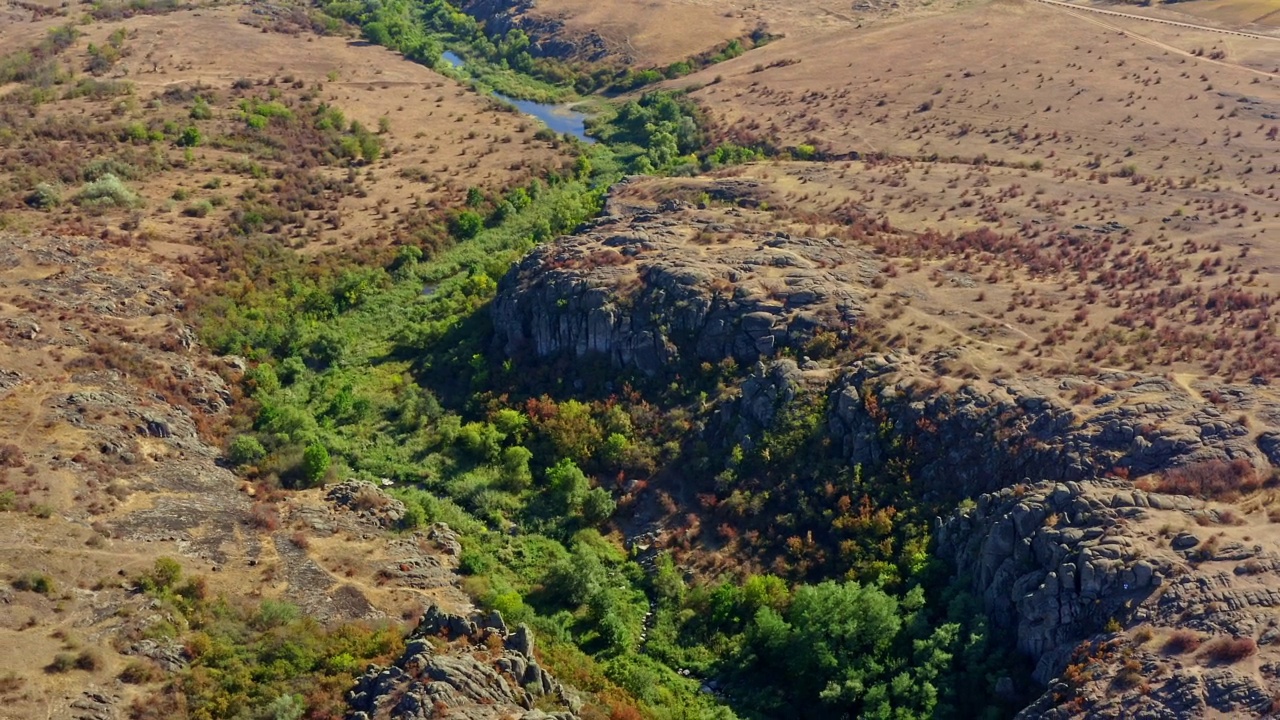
(472, 668)
(1060, 543)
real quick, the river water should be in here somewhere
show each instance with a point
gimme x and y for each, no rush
(560, 118)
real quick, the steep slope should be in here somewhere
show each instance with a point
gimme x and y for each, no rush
(1068, 541)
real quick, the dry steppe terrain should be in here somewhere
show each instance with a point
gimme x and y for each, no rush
(110, 411)
(1020, 193)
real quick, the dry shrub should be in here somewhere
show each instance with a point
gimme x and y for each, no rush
(1130, 675)
(1211, 480)
(370, 499)
(91, 659)
(1085, 391)
(11, 682)
(11, 456)
(1181, 641)
(140, 672)
(1253, 566)
(1229, 650)
(265, 516)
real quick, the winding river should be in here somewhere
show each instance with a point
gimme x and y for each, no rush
(559, 117)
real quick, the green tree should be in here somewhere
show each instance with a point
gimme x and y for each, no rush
(853, 650)
(315, 463)
(598, 506)
(245, 450)
(466, 225)
(568, 486)
(515, 468)
(668, 582)
(190, 137)
(573, 431)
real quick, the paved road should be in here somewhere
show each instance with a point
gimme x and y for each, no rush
(1162, 21)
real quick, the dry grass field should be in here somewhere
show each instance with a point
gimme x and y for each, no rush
(1252, 15)
(433, 149)
(1091, 198)
(651, 32)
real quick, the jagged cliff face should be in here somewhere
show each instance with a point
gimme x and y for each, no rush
(468, 668)
(1060, 542)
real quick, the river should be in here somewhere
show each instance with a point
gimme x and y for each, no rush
(559, 117)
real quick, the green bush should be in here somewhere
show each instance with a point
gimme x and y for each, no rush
(198, 209)
(201, 110)
(8, 500)
(62, 662)
(34, 582)
(107, 191)
(466, 225)
(44, 197)
(245, 450)
(190, 137)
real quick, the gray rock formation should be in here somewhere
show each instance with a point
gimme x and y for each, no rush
(367, 500)
(459, 667)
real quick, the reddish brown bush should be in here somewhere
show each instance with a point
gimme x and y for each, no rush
(1181, 641)
(1211, 480)
(1229, 650)
(265, 516)
(11, 456)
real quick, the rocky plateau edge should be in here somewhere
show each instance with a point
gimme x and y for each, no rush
(1057, 540)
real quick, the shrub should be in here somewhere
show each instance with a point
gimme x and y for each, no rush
(245, 450)
(190, 137)
(107, 191)
(165, 574)
(140, 672)
(1229, 650)
(8, 500)
(44, 197)
(1130, 675)
(89, 659)
(62, 662)
(201, 110)
(1211, 480)
(12, 456)
(273, 614)
(34, 582)
(265, 516)
(11, 682)
(198, 209)
(1181, 641)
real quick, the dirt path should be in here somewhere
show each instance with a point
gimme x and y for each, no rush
(1162, 21)
(1157, 43)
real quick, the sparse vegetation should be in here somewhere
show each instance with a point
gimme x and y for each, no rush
(34, 582)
